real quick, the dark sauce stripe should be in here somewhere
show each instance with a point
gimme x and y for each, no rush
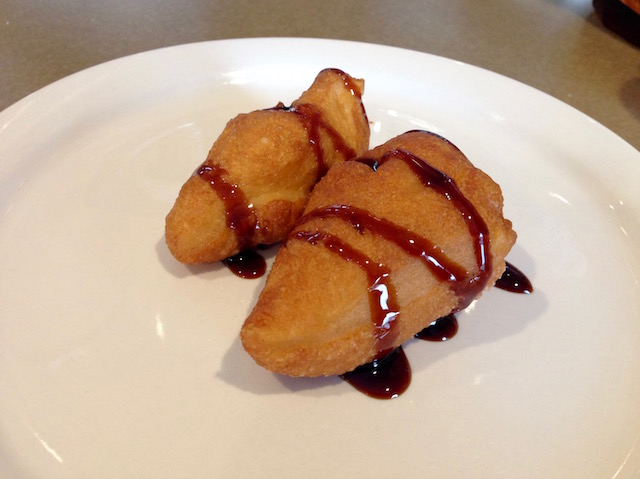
(383, 378)
(239, 214)
(352, 86)
(313, 121)
(383, 301)
(443, 184)
(514, 281)
(442, 329)
(247, 264)
(415, 245)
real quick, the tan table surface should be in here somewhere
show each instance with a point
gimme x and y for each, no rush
(557, 46)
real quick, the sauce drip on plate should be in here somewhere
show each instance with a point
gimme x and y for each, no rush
(384, 378)
(514, 280)
(248, 264)
(441, 329)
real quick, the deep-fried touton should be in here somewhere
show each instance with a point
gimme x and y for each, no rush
(257, 177)
(388, 243)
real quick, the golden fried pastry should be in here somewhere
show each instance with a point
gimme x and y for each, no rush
(387, 244)
(258, 175)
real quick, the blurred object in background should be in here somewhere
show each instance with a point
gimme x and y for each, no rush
(621, 17)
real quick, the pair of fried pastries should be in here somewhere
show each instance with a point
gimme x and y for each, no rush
(258, 174)
(388, 243)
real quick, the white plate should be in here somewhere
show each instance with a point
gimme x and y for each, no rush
(115, 361)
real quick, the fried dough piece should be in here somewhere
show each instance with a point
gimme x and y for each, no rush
(388, 243)
(258, 174)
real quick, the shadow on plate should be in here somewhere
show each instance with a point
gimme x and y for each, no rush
(497, 315)
(240, 371)
(179, 270)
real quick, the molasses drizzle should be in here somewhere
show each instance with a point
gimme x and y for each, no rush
(239, 213)
(384, 378)
(247, 264)
(514, 280)
(441, 329)
(445, 185)
(383, 301)
(432, 256)
(313, 121)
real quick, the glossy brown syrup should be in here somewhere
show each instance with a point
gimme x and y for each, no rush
(432, 256)
(384, 378)
(350, 84)
(248, 264)
(466, 288)
(240, 215)
(383, 301)
(514, 280)
(313, 121)
(441, 329)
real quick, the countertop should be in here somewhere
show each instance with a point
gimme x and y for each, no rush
(557, 46)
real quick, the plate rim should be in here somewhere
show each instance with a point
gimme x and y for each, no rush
(94, 69)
